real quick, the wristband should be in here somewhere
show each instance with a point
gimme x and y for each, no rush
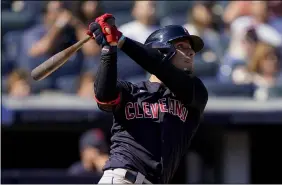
(122, 38)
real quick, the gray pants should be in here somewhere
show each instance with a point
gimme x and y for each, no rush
(122, 176)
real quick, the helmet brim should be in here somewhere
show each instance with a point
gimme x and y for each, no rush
(196, 42)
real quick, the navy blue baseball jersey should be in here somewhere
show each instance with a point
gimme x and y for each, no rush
(152, 129)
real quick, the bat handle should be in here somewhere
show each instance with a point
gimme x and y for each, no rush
(80, 43)
(110, 21)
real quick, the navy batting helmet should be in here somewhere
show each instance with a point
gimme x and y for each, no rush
(162, 38)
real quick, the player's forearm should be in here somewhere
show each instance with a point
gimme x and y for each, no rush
(105, 86)
(45, 43)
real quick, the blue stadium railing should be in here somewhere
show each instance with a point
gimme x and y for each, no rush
(43, 176)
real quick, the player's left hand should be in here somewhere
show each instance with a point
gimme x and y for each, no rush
(96, 32)
(108, 28)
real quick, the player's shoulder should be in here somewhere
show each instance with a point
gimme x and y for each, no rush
(132, 87)
(199, 81)
(201, 88)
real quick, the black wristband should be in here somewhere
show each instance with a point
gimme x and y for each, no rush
(108, 49)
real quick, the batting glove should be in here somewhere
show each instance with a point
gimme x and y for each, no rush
(95, 31)
(109, 28)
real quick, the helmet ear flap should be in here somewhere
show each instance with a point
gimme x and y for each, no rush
(166, 49)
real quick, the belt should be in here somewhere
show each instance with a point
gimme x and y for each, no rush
(132, 176)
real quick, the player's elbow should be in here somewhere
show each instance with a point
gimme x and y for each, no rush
(99, 95)
(106, 97)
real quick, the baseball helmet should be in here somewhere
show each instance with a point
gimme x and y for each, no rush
(161, 38)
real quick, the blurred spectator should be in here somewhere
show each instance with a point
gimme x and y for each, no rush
(18, 84)
(258, 10)
(257, 14)
(46, 38)
(275, 15)
(236, 9)
(202, 25)
(86, 84)
(274, 8)
(86, 11)
(93, 152)
(55, 19)
(145, 21)
(263, 69)
(83, 13)
(261, 33)
(18, 15)
(230, 63)
(6, 5)
(58, 30)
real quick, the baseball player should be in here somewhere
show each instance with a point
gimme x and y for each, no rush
(154, 120)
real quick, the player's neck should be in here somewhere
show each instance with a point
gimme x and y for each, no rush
(153, 78)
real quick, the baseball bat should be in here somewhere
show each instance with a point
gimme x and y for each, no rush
(59, 59)
(56, 61)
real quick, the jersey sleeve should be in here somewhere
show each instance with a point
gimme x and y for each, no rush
(123, 88)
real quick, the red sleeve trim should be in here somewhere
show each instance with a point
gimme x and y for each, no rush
(113, 102)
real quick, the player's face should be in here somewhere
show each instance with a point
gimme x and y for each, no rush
(184, 57)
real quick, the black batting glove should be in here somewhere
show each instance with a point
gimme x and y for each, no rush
(95, 31)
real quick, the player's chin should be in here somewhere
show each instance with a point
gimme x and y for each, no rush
(188, 67)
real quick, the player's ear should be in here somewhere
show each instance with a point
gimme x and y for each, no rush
(168, 52)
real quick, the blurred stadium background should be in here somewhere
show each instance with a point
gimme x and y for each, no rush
(42, 122)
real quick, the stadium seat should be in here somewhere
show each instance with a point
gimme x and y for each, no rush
(12, 21)
(204, 69)
(176, 18)
(57, 180)
(42, 176)
(67, 83)
(217, 89)
(206, 64)
(275, 92)
(10, 53)
(123, 17)
(225, 40)
(6, 65)
(11, 44)
(114, 6)
(167, 8)
(127, 68)
(91, 64)
(65, 78)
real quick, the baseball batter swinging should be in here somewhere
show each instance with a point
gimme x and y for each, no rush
(154, 120)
